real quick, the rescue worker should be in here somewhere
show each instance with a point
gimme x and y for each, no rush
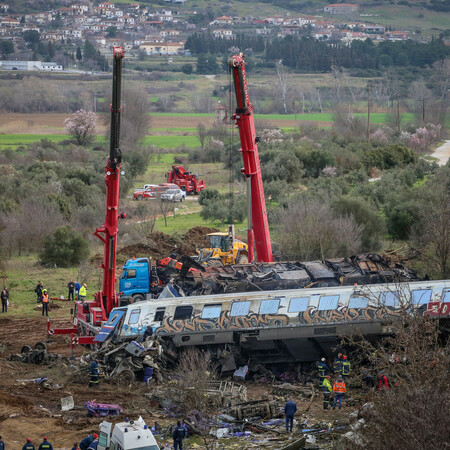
(337, 365)
(5, 300)
(339, 390)
(28, 445)
(45, 445)
(383, 383)
(75, 446)
(77, 289)
(38, 290)
(93, 445)
(71, 287)
(2, 444)
(290, 408)
(326, 389)
(323, 369)
(93, 372)
(367, 378)
(87, 441)
(82, 293)
(45, 301)
(148, 332)
(346, 367)
(179, 433)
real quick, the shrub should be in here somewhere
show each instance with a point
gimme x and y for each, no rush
(64, 248)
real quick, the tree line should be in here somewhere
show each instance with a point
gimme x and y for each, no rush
(307, 54)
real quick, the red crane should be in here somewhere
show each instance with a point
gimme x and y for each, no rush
(258, 225)
(89, 315)
(107, 297)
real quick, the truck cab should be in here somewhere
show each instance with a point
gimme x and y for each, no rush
(129, 435)
(136, 278)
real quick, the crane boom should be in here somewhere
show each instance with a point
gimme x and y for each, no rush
(258, 222)
(107, 297)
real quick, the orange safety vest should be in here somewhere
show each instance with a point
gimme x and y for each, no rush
(339, 386)
(44, 298)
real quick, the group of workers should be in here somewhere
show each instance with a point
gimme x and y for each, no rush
(342, 369)
(76, 291)
(45, 445)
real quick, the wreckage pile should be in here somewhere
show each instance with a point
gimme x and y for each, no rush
(359, 269)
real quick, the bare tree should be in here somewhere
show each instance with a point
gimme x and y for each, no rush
(285, 86)
(419, 93)
(166, 208)
(146, 213)
(308, 230)
(432, 233)
(413, 413)
(135, 118)
(202, 135)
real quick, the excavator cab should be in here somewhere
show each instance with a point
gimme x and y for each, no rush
(220, 241)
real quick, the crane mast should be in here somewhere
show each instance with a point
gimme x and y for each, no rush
(258, 227)
(107, 297)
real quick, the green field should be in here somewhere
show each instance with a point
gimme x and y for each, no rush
(172, 141)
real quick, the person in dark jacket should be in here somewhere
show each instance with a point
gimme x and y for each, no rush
(322, 369)
(93, 445)
(148, 332)
(38, 290)
(179, 433)
(93, 381)
(45, 445)
(75, 446)
(368, 379)
(2, 444)
(71, 286)
(28, 445)
(5, 298)
(290, 408)
(87, 441)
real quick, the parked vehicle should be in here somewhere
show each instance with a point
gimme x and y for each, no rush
(173, 195)
(152, 191)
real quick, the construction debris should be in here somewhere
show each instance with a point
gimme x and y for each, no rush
(102, 409)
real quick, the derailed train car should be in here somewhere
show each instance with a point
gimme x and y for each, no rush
(279, 326)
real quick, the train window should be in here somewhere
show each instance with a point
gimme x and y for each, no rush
(421, 296)
(211, 311)
(183, 312)
(269, 306)
(134, 316)
(327, 302)
(159, 314)
(298, 304)
(390, 298)
(358, 302)
(445, 295)
(240, 309)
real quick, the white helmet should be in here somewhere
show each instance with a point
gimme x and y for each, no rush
(323, 359)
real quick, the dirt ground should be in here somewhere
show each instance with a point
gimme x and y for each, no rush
(54, 123)
(28, 410)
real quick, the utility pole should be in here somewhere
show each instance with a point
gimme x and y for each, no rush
(368, 113)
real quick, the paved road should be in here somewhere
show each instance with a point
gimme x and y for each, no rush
(442, 153)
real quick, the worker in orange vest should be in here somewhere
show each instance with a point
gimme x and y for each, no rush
(339, 389)
(45, 302)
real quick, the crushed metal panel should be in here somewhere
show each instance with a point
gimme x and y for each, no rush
(319, 271)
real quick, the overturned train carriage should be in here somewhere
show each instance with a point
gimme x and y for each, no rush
(279, 326)
(368, 268)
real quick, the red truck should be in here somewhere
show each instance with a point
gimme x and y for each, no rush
(186, 181)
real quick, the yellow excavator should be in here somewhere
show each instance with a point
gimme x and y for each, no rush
(224, 247)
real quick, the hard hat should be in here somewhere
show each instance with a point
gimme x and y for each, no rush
(345, 357)
(327, 376)
(339, 354)
(28, 440)
(45, 438)
(323, 360)
(95, 436)
(44, 290)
